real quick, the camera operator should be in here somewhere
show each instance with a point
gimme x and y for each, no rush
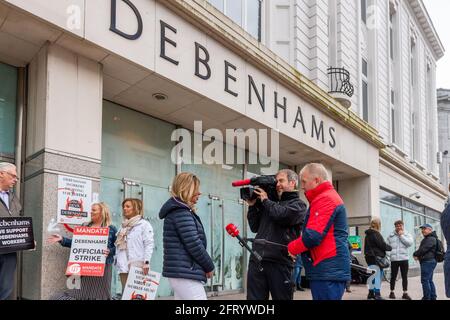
(280, 223)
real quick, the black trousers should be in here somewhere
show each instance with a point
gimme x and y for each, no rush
(8, 262)
(274, 279)
(404, 267)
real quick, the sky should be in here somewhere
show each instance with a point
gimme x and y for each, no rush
(439, 11)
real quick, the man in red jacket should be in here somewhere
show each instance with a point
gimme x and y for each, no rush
(324, 239)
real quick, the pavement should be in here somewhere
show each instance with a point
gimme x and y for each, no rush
(359, 292)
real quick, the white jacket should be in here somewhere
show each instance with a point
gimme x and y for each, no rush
(400, 245)
(139, 247)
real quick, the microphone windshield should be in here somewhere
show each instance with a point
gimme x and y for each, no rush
(232, 230)
(240, 183)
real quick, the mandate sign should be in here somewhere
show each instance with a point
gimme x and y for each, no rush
(87, 256)
(16, 234)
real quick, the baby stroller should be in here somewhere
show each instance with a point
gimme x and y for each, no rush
(360, 274)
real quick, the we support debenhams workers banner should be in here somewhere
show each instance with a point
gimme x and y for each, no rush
(16, 234)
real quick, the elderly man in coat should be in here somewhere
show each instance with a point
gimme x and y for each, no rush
(9, 207)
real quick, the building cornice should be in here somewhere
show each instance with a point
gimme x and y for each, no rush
(393, 161)
(221, 28)
(427, 26)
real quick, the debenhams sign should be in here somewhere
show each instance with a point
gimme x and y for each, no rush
(257, 93)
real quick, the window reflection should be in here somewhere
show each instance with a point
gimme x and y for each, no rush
(245, 13)
(253, 18)
(234, 11)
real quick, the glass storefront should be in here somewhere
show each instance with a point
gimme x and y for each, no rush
(394, 207)
(136, 162)
(8, 102)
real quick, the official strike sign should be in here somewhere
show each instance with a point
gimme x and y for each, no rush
(87, 256)
(140, 286)
(16, 234)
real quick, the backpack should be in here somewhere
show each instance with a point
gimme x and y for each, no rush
(440, 252)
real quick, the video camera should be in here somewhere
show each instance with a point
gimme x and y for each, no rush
(267, 183)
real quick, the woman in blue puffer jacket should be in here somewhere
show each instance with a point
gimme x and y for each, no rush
(186, 263)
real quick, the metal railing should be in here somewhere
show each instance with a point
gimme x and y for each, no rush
(340, 81)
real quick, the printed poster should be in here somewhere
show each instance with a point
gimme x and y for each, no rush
(87, 256)
(74, 200)
(139, 286)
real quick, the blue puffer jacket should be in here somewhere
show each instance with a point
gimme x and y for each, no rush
(67, 242)
(184, 240)
(445, 225)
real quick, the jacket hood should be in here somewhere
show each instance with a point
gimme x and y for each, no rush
(171, 205)
(433, 234)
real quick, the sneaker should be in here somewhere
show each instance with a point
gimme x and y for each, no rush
(371, 295)
(299, 288)
(405, 296)
(392, 295)
(378, 297)
(348, 290)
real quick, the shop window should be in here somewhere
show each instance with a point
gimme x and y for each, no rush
(388, 215)
(136, 163)
(8, 101)
(390, 197)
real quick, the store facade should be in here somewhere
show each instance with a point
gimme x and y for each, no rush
(108, 96)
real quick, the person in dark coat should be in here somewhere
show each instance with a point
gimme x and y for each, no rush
(186, 263)
(9, 207)
(375, 246)
(278, 222)
(426, 254)
(445, 225)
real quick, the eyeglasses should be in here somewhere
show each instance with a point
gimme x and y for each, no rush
(12, 175)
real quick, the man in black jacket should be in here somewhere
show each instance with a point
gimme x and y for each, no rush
(426, 254)
(276, 223)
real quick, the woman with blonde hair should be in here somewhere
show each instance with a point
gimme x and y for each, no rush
(94, 288)
(134, 244)
(375, 251)
(186, 264)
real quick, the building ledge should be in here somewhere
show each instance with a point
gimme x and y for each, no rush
(398, 150)
(393, 160)
(427, 26)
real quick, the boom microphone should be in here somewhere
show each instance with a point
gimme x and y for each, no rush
(234, 232)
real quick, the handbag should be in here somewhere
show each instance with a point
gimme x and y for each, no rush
(383, 262)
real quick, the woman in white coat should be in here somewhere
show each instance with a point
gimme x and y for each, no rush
(134, 244)
(400, 241)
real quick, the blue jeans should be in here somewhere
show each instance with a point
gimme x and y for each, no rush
(327, 290)
(8, 263)
(297, 274)
(377, 279)
(447, 274)
(426, 277)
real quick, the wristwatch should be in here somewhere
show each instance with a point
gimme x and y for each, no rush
(147, 262)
